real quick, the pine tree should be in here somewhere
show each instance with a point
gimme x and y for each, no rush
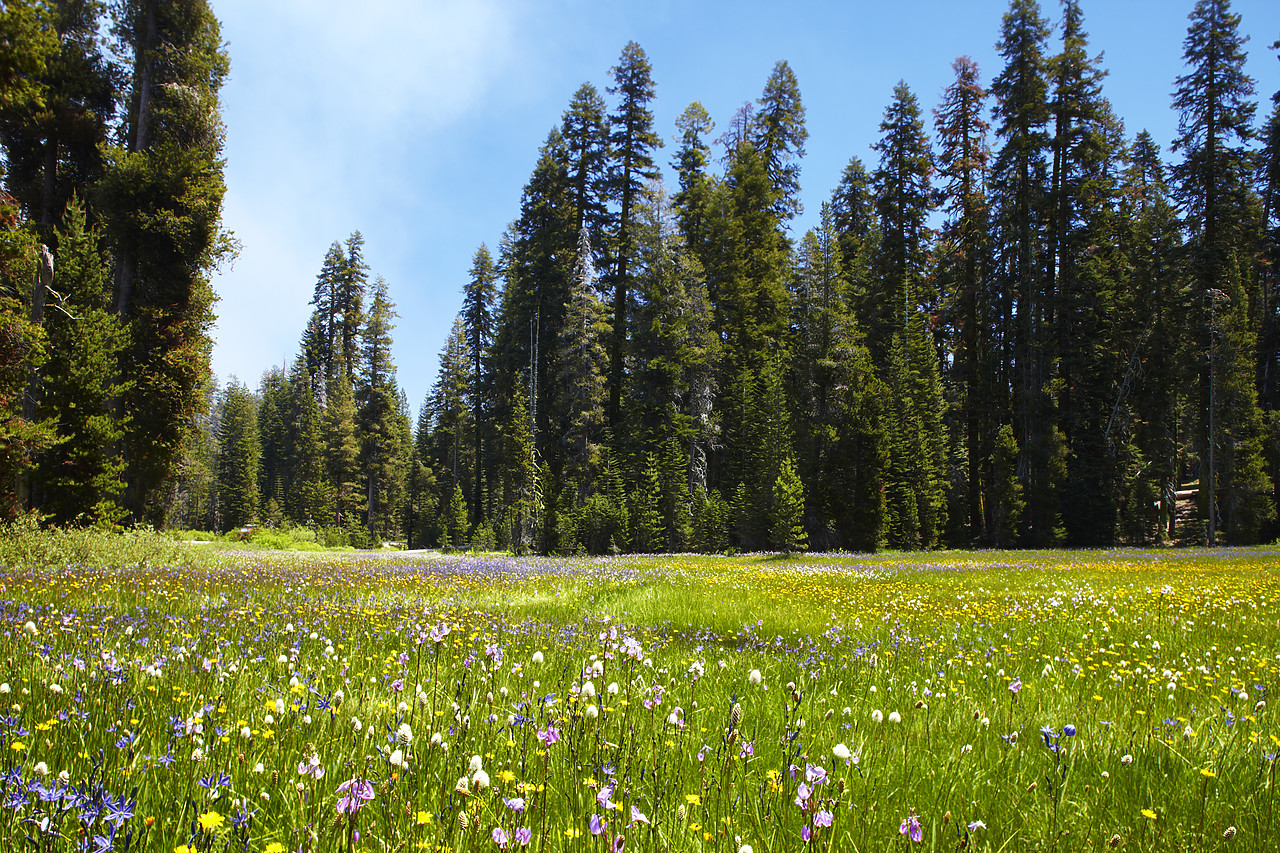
(690, 164)
(1215, 114)
(903, 197)
(787, 529)
(1158, 367)
(1019, 192)
(342, 448)
(161, 197)
(1090, 320)
(79, 479)
(1269, 285)
(585, 129)
(53, 148)
(309, 499)
(633, 141)
(275, 400)
(964, 246)
(238, 457)
(377, 398)
(478, 306)
(779, 136)
(583, 364)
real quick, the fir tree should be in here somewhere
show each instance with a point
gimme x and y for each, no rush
(238, 457)
(161, 196)
(787, 529)
(964, 246)
(478, 306)
(583, 367)
(633, 141)
(779, 136)
(1215, 113)
(79, 479)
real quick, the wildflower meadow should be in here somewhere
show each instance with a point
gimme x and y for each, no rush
(991, 701)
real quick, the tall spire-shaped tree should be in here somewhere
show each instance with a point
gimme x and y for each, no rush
(963, 165)
(1214, 100)
(634, 140)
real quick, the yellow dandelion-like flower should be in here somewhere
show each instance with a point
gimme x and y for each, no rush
(1148, 814)
(424, 818)
(210, 821)
(275, 847)
(693, 799)
(1208, 773)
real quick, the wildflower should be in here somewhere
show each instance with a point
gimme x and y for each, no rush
(597, 825)
(1016, 685)
(500, 837)
(755, 677)
(397, 759)
(1228, 833)
(975, 825)
(876, 716)
(822, 818)
(516, 804)
(537, 657)
(311, 767)
(841, 751)
(404, 734)
(463, 786)
(1148, 814)
(911, 828)
(1069, 730)
(423, 818)
(1207, 772)
(895, 717)
(637, 816)
(357, 792)
(480, 780)
(1126, 759)
(210, 821)
(275, 847)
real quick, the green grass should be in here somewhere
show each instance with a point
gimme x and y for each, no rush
(165, 681)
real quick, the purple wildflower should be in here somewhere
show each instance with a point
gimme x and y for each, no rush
(597, 825)
(500, 837)
(523, 836)
(357, 793)
(822, 818)
(911, 828)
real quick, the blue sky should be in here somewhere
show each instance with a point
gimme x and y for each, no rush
(417, 122)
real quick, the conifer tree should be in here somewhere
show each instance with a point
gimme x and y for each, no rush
(309, 499)
(963, 166)
(787, 531)
(275, 401)
(478, 307)
(342, 447)
(779, 136)
(161, 200)
(581, 385)
(238, 457)
(1269, 285)
(633, 141)
(53, 150)
(379, 416)
(79, 478)
(585, 129)
(1019, 192)
(1215, 113)
(690, 164)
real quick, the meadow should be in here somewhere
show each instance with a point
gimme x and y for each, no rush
(994, 701)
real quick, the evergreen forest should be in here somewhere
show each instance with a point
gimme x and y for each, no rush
(1016, 323)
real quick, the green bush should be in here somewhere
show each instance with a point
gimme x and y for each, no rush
(26, 544)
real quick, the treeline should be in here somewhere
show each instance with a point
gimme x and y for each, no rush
(1018, 325)
(109, 227)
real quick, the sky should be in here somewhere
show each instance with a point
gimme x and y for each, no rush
(418, 122)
